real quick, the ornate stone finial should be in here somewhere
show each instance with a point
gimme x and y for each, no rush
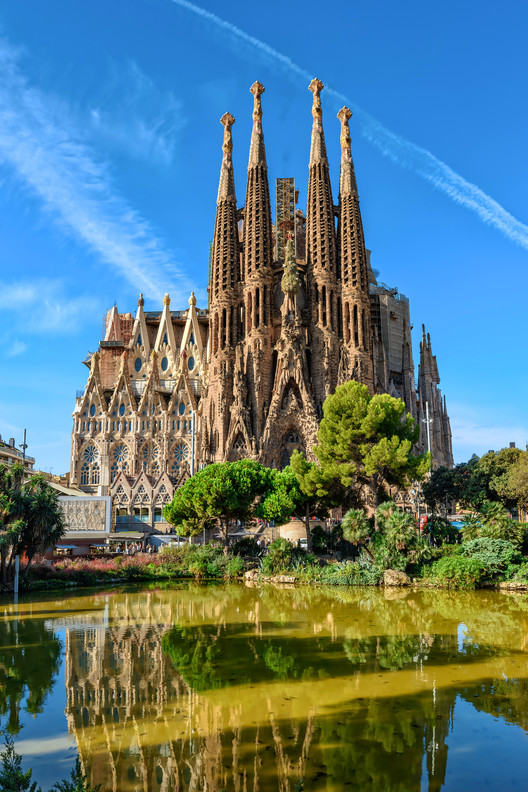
(316, 86)
(344, 115)
(192, 299)
(257, 89)
(227, 122)
(93, 361)
(141, 301)
(166, 300)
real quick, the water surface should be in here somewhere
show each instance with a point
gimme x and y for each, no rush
(229, 687)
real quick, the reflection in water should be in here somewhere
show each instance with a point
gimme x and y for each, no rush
(29, 662)
(227, 687)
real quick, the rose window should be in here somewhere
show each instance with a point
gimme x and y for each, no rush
(90, 454)
(120, 453)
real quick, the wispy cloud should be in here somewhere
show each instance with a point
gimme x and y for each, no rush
(45, 149)
(136, 117)
(41, 307)
(400, 150)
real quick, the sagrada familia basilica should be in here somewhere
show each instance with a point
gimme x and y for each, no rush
(294, 310)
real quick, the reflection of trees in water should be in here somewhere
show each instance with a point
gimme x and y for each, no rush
(263, 687)
(29, 662)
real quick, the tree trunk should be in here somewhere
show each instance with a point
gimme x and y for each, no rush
(224, 531)
(308, 532)
(367, 551)
(3, 563)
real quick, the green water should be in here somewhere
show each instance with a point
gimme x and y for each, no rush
(229, 687)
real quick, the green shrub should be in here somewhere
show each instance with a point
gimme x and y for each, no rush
(495, 554)
(234, 567)
(351, 574)
(493, 522)
(246, 546)
(458, 572)
(279, 556)
(520, 573)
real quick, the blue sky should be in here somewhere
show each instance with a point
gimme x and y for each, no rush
(110, 149)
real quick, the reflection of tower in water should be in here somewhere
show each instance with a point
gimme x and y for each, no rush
(144, 722)
(140, 726)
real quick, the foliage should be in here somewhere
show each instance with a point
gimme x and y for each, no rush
(31, 519)
(493, 521)
(457, 571)
(495, 554)
(281, 556)
(351, 573)
(500, 476)
(226, 492)
(357, 529)
(366, 440)
(317, 492)
(78, 782)
(439, 530)
(246, 546)
(12, 777)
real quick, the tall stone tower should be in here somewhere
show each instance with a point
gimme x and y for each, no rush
(356, 348)
(257, 275)
(223, 306)
(321, 261)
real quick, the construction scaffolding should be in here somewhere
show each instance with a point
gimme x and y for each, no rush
(284, 216)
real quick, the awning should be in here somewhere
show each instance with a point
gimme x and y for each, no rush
(98, 545)
(122, 536)
(65, 547)
(166, 539)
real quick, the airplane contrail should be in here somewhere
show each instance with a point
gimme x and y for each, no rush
(400, 150)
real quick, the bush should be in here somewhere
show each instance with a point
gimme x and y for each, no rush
(495, 554)
(234, 567)
(439, 530)
(493, 522)
(247, 546)
(279, 556)
(351, 574)
(458, 572)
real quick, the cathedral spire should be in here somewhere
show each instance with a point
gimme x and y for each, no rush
(347, 182)
(225, 258)
(257, 210)
(318, 146)
(257, 151)
(226, 187)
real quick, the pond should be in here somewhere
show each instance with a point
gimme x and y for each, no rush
(226, 687)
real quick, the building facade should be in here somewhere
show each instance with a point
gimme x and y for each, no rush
(294, 310)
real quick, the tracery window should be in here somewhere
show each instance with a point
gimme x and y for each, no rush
(150, 458)
(119, 458)
(180, 457)
(90, 469)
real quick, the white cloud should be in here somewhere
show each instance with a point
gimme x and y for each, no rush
(41, 306)
(401, 151)
(16, 348)
(41, 142)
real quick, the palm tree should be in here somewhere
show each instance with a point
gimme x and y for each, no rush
(357, 529)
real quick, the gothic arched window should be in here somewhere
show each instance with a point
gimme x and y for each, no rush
(119, 458)
(180, 456)
(90, 469)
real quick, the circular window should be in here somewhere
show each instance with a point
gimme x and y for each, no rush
(92, 410)
(181, 408)
(120, 453)
(122, 410)
(164, 364)
(138, 364)
(190, 363)
(181, 452)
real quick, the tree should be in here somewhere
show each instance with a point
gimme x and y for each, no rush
(222, 493)
(367, 441)
(317, 492)
(31, 519)
(12, 777)
(493, 522)
(496, 469)
(357, 529)
(518, 481)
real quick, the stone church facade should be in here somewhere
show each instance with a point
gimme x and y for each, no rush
(294, 310)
